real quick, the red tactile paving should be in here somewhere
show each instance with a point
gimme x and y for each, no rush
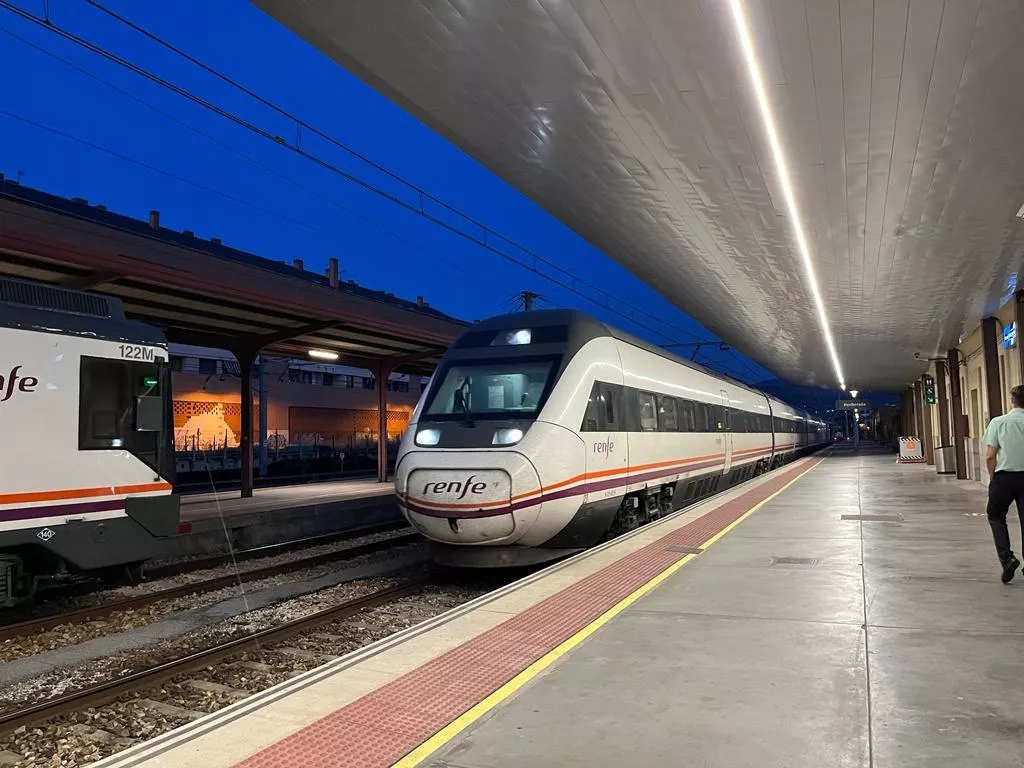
(383, 726)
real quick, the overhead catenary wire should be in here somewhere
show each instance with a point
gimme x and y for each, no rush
(610, 303)
(230, 148)
(628, 312)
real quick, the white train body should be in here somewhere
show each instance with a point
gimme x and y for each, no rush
(84, 407)
(544, 433)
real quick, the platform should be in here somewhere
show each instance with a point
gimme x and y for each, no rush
(280, 513)
(844, 611)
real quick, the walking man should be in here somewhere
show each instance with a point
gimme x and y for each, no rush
(1004, 441)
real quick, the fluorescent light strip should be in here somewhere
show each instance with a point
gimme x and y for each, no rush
(780, 167)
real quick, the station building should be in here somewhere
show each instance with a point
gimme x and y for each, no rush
(307, 402)
(986, 364)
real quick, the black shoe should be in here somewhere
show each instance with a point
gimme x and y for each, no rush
(1010, 569)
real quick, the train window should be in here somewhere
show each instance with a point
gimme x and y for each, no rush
(610, 410)
(648, 412)
(719, 421)
(502, 388)
(701, 417)
(592, 416)
(684, 411)
(668, 420)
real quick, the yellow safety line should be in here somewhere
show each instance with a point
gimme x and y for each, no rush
(470, 716)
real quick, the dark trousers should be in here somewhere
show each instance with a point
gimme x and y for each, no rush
(1006, 487)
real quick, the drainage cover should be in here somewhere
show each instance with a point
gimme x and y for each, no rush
(874, 518)
(794, 561)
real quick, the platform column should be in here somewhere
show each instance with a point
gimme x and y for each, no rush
(918, 405)
(382, 372)
(943, 403)
(990, 350)
(926, 423)
(956, 413)
(1018, 317)
(903, 413)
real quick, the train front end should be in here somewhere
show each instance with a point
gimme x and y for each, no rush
(482, 443)
(85, 405)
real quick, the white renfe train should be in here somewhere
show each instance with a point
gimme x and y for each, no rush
(544, 433)
(86, 459)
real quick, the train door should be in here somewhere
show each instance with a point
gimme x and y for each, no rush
(604, 432)
(725, 433)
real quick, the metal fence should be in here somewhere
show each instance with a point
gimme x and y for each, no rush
(199, 458)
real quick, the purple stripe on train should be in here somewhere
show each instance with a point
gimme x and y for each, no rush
(56, 510)
(578, 490)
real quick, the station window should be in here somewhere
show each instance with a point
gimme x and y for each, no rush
(207, 366)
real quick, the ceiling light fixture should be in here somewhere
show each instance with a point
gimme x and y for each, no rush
(757, 81)
(323, 354)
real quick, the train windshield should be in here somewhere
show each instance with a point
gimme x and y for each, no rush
(500, 389)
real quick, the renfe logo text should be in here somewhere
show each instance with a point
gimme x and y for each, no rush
(461, 487)
(606, 446)
(14, 382)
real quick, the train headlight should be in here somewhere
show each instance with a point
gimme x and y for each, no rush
(507, 436)
(428, 437)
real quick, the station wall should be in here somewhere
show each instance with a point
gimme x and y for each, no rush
(974, 388)
(207, 405)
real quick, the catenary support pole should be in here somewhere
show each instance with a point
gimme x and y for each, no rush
(382, 374)
(262, 373)
(245, 364)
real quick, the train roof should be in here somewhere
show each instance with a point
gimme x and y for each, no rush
(584, 328)
(32, 306)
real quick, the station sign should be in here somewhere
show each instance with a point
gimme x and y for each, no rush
(928, 389)
(853, 405)
(1010, 336)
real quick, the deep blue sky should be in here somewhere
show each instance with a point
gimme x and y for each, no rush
(281, 206)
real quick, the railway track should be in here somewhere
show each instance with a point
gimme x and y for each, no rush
(108, 691)
(270, 550)
(33, 626)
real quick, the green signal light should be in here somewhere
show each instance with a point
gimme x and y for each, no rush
(149, 382)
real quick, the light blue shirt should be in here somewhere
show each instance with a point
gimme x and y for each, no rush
(1006, 435)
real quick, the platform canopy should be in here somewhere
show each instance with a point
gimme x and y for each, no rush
(635, 122)
(204, 293)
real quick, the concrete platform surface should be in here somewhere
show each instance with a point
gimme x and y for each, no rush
(214, 523)
(201, 505)
(779, 624)
(800, 639)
